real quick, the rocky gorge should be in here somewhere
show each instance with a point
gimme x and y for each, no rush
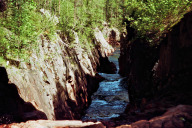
(58, 82)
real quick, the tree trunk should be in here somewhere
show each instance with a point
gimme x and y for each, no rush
(3, 6)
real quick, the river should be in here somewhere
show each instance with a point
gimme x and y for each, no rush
(111, 98)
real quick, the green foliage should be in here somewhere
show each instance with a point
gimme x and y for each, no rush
(20, 29)
(2, 61)
(23, 22)
(154, 15)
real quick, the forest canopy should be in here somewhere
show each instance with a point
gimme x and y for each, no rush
(22, 21)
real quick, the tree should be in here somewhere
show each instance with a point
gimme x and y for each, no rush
(3, 6)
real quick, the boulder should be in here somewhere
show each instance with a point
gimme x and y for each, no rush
(55, 124)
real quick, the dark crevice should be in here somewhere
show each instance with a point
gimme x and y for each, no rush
(105, 65)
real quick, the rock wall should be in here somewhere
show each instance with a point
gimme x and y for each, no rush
(59, 80)
(112, 34)
(55, 124)
(176, 53)
(159, 75)
(173, 71)
(13, 107)
(136, 62)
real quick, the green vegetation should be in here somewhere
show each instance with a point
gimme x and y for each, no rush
(153, 16)
(23, 22)
(20, 26)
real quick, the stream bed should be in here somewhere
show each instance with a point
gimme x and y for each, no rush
(111, 98)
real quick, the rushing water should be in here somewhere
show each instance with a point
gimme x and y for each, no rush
(111, 97)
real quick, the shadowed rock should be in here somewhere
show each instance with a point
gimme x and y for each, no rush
(176, 117)
(155, 87)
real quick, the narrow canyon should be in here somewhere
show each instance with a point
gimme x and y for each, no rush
(102, 77)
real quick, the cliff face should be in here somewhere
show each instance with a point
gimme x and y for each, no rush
(159, 77)
(112, 34)
(59, 80)
(136, 62)
(175, 51)
(173, 72)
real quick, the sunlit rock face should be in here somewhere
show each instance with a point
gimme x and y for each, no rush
(56, 124)
(59, 79)
(108, 49)
(13, 107)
